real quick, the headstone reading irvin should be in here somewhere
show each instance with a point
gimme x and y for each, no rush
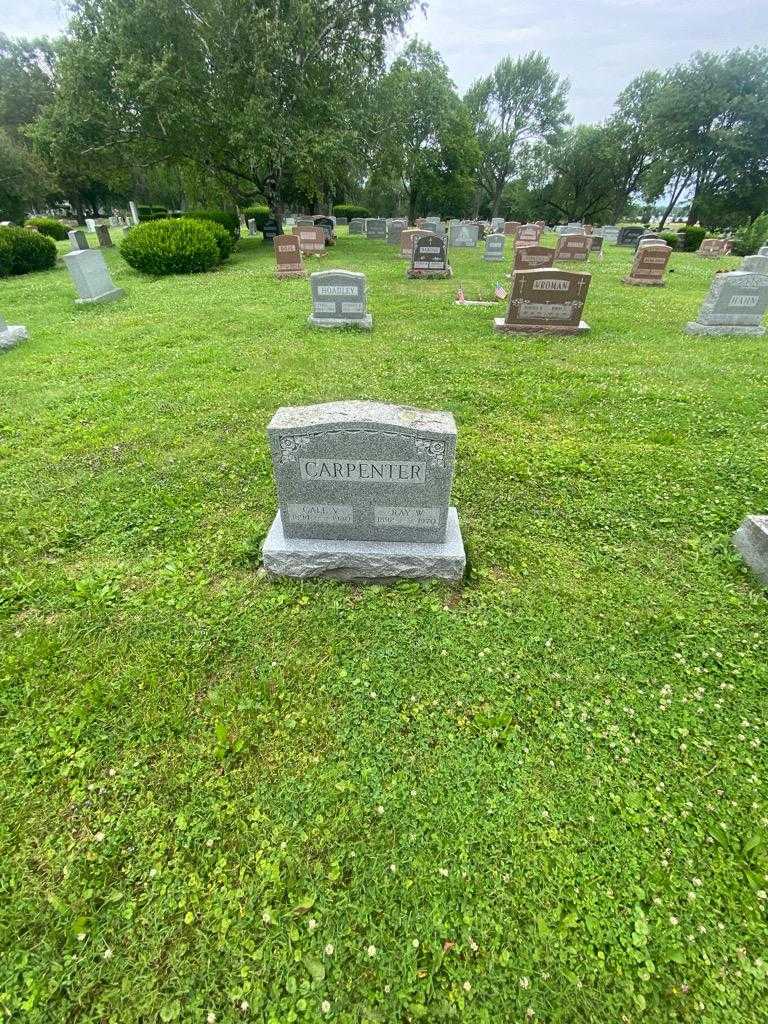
(288, 256)
(11, 334)
(494, 248)
(533, 257)
(573, 248)
(629, 236)
(77, 240)
(736, 304)
(429, 257)
(102, 233)
(649, 266)
(751, 541)
(376, 229)
(364, 492)
(463, 236)
(91, 277)
(311, 238)
(546, 301)
(339, 300)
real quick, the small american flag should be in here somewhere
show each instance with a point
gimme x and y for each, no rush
(460, 295)
(499, 292)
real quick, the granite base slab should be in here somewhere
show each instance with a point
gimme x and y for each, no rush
(694, 327)
(110, 296)
(362, 560)
(10, 336)
(500, 325)
(366, 323)
(643, 284)
(417, 275)
(290, 273)
(751, 541)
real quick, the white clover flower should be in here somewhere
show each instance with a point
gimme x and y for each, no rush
(443, 872)
(415, 943)
(325, 1006)
(466, 986)
(329, 949)
(311, 924)
(107, 954)
(525, 983)
(380, 809)
(371, 951)
(99, 837)
(211, 1018)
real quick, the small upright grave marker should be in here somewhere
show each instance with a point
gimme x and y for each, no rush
(311, 238)
(357, 226)
(407, 240)
(395, 229)
(77, 240)
(533, 257)
(546, 301)
(288, 256)
(649, 266)
(463, 236)
(573, 248)
(494, 248)
(751, 541)
(376, 229)
(510, 227)
(91, 277)
(714, 248)
(528, 234)
(339, 300)
(11, 334)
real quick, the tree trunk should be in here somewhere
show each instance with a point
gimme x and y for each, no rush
(412, 207)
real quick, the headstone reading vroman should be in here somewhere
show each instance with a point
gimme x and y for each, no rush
(395, 229)
(376, 229)
(407, 240)
(629, 236)
(339, 300)
(429, 258)
(357, 226)
(311, 238)
(494, 248)
(573, 248)
(533, 257)
(751, 541)
(11, 334)
(104, 237)
(364, 492)
(463, 236)
(736, 304)
(77, 240)
(546, 301)
(288, 256)
(649, 266)
(91, 277)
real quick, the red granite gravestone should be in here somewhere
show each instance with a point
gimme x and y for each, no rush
(510, 227)
(408, 238)
(714, 248)
(649, 266)
(311, 238)
(546, 301)
(528, 234)
(573, 248)
(288, 255)
(533, 257)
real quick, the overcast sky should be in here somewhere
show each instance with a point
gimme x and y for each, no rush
(600, 45)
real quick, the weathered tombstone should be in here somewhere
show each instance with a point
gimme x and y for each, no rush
(11, 334)
(494, 248)
(463, 236)
(736, 304)
(104, 237)
(755, 264)
(510, 227)
(751, 541)
(311, 238)
(329, 227)
(395, 229)
(497, 225)
(364, 493)
(610, 233)
(596, 244)
(376, 229)
(288, 256)
(528, 234)
(713, 248)
(77, 240)
(90, 224)
(252, 226)
(407, 239)
(271, 230)
(339, 300)
(305, 221)
(573, 249)
(629, 236)
(91, 277)
(546, 301)
(573, 228)
(533, 257)
(134, 212)
(649, 266)
(435, 226)
(763, 250)
(357, 226)
(430, 257)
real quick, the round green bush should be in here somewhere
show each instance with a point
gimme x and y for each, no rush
(349, 210)
(260, 214)
(224, 241)
(227, 218)
(693, 238)
(22, 251)
(670, 237)
(180, 246)
(48, 226)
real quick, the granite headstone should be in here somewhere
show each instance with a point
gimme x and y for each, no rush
(91, 277)
(339, 299)
(533, 257)
(736, 304)
(494, 248)
(288, 256)
(430, 258)
(102, 233)
(649, 266)
(546, 301)
(376, 229)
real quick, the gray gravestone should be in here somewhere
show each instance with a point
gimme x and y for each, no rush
(395, 229)
(77, 240)
(11, 334)
(463, 236)
(376, 229)
(736, 304)
(90, 224)
(497, 225)
(91, 277)
(252, 226)
(610, 233)
(755, 264)
(339, 299)
(364, 493)
(573, 228)
(494, 248)
(134, 212)
(357, 226)
(435, 226)
(102, 233)
(629, 236)
(763, 251)
(751, 541)
(430, 258)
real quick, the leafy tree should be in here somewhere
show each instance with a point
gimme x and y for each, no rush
(520, 103)
(23, 180)
(585, 168)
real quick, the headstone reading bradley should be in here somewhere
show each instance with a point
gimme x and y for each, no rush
(429, 258)
(736, 304)
(364, 492)
(102, 233)
(533, 257)
(91, 277)
(546, 301)
(339, 300)
(494, 248)
(376, 229)
(288, 256)
(573, 248)
(649, 266)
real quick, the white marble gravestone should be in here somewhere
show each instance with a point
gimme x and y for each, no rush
(751, 541)
(736, 304)
(11, 334)
(91, 277)
(339, 299)
(90, 224)
(494, 248)
(134, 212)
(610, 233)
(364, 493)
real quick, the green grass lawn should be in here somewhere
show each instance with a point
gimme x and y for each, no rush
(540, 796)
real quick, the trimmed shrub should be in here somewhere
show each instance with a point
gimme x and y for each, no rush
(152, 212)
(48, 226)
(670, 237)
(693, 238)
(751, 236)
(227, 218)
(181, 246)
(224, 241)
(22, 251)
(349, 210)
(260, 214)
